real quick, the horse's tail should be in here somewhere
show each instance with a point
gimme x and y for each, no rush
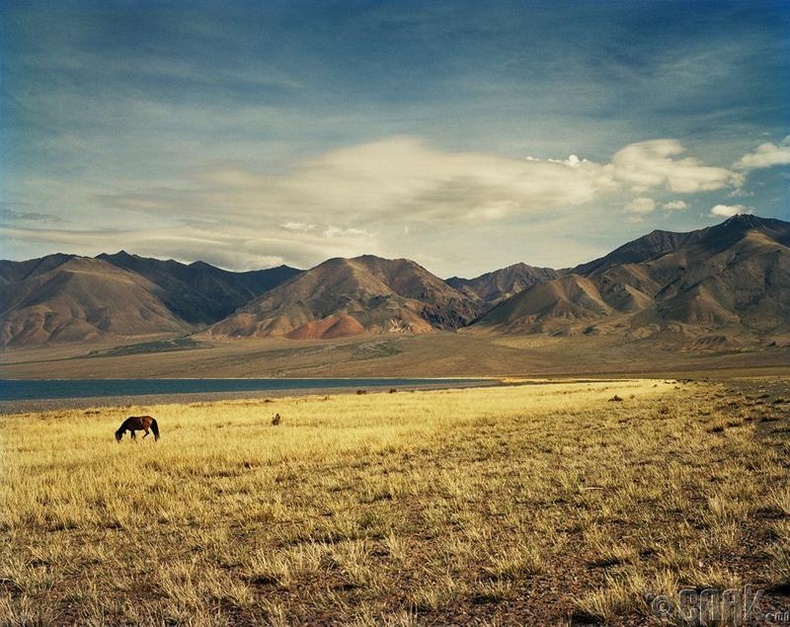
(155, 428)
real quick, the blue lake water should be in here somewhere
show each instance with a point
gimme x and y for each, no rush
(20, 390)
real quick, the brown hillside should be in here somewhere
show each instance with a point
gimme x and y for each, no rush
(730, 280)
(549, 307)
(199, 293)
(494, 287)
(348, 296)
(327, 328)
(735, 275)
(81, 299)
(627, 288)
(747, 283)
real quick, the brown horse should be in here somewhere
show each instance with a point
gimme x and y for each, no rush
(138, 423)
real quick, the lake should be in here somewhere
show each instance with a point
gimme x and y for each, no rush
(28, 390)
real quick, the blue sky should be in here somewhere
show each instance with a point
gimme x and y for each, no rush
(464, 135)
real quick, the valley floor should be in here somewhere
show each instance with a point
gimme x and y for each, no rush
(463, 354)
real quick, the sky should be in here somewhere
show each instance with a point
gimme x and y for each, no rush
(464, 135)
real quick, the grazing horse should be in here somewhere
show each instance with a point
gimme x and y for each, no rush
(138, 423)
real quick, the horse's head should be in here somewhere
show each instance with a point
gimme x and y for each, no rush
(119, 434)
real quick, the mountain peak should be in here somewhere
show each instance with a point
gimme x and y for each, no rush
(119, 256)
(733, 229)
(743, 221)
(351, 296)
(494, 287)
(778, 229)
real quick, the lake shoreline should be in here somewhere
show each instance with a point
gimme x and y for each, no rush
(19, 406)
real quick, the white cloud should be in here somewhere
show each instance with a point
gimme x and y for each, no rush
(398, 180)
(336, 231)
(404, 177)
(398, 196)
(675, 205)
(727, 211)
(404, 181)
(641, 205)
(298, 226)
(572, 160)
(766, 156)
(653, 164)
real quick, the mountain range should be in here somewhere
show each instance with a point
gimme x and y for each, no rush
(728, 280)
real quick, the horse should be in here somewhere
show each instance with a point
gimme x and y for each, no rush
(138, 423)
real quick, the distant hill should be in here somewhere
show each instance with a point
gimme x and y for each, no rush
(199, 293)
(659, 243)
(714, 285)
(343, 297)
(735, 274)
(65, 298)
(494, 287)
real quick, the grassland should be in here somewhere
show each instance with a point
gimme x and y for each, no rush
(524, 504)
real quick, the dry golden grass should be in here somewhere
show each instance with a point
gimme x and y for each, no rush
(534, 504)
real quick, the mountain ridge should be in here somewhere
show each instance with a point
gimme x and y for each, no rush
(494, 287)
(69, 298)
(200, 293)
(80, 299)
(733, 275)
(365, 293)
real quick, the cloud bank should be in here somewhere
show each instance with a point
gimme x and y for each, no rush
(397, 196)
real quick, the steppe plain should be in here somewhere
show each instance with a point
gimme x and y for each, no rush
(441, 354)
(600, 483)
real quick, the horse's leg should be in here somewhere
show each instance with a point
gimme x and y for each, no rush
(133, 434)
(146, 434)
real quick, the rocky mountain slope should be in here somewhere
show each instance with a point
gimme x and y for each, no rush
(199, 293)
(494, 287)
(715, 284)
(734, 274)
(65, 298)
(342, 297)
